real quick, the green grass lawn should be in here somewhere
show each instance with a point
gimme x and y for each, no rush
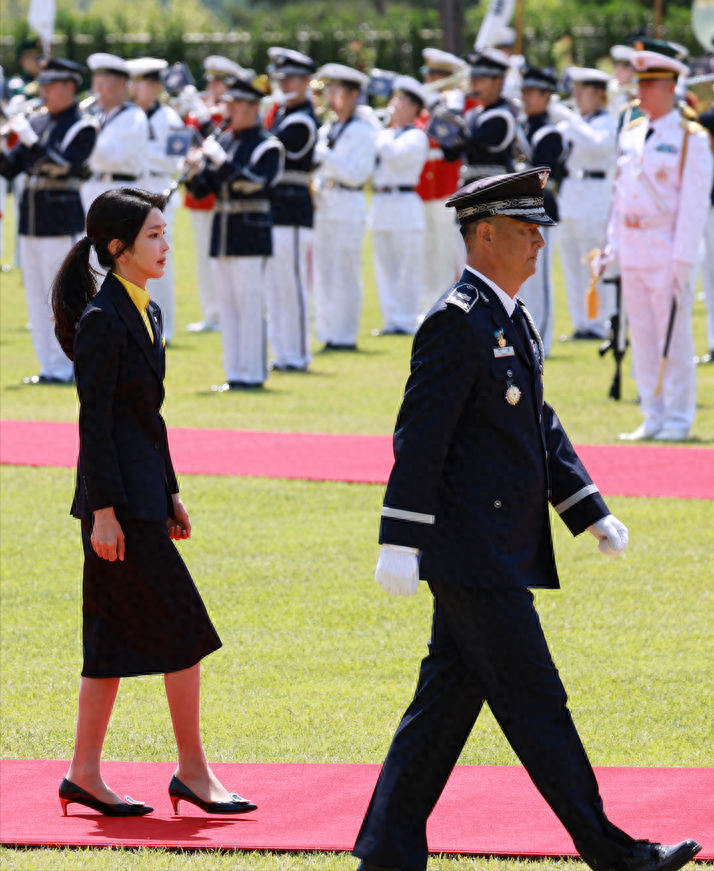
(318, 664)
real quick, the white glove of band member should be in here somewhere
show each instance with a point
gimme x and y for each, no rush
(558, 111)
(20, 125)
(214, 151)
(397, 570)
(611, 534)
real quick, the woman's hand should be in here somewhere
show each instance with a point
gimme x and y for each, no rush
(179, 525)
(107, 535)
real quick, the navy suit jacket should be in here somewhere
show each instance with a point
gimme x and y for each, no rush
(124, 458)
(473, 474)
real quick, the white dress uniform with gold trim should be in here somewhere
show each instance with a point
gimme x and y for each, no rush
(660, 208)
(345, 156)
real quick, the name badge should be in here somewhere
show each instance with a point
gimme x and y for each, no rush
(504, 352)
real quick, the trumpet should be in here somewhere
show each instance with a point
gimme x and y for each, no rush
(384, 115)
(15, 107)
(194, 166)
(459, 79)
(88, 103)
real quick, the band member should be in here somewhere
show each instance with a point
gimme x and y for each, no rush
(141, 611)
(53, 148)
(205, 113)
(241, 167)
(547, 149)
(662, 191)
(585, 193)
(294, 124)
(397, 213)
(120, 154)
(439, 180)
(162, 165)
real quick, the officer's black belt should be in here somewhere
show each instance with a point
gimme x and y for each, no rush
(295, 176)
(114, 176)
(393, 189)
(588, 173)
(45, 183)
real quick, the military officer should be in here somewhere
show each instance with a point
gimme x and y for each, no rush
(584, 202)
(439, 180)
(205, 113)
(53, 149)
(241, 168)
(479, 455)
(287, 291)
(547, 149)
(345, 156)
(120, 154)
(660, 209)
(397, 213)
(162, 164)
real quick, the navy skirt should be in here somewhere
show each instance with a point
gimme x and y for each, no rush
(143, 615)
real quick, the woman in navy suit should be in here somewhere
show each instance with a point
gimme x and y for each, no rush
(142, 613)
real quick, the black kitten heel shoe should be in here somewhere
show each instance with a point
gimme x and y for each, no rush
(70, 793)
(180, 792)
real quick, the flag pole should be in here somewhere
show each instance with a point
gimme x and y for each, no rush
(658, 18)
(520, 8)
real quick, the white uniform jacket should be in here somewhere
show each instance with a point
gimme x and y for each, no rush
(162, 166)
(401, 154)
(122, 143)
(661, 193)
(585, 192)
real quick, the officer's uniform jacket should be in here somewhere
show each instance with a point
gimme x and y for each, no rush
(345, 156)
(296, 128)
(590, 166)
(121, 151)
(547, 149)
(487, 146)
(161, 166)
(401, 152)
(662, 192)
(474, 472)
(50, 204)
(242, 220)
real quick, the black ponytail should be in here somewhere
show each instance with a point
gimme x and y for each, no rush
(74, 286)
(116, 214)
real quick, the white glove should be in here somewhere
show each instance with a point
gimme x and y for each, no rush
(20, 125)
(611, 534)
(199, 110)
(397, 570)
(603, 258)
(214, 151)
(558, 111)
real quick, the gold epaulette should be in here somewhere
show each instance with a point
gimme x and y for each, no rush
(686, 111)
(691, 126)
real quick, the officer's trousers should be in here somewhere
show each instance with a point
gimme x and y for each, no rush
(708, 276)
(647, 295)
(202, 221)
(577, 238)
(440, 247)
(486, 646)
(287, 296)
(537, 291)
(398, 270)
(41, 258)
(338, 279)
(240, 291)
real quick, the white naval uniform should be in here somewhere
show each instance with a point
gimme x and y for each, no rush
(345, 154)
(397, 222)
(121, 150)
(584, 205)
(161, 169)
(659, 214)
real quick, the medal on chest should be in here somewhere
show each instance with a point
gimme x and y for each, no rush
(513, 394)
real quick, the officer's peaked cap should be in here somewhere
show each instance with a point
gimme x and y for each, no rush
(57, 69)
(289, 62)
(517, 195)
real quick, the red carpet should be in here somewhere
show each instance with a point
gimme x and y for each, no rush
(619, 470)
(484, 810)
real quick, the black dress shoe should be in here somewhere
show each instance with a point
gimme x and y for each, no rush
(337, 346)
(648, 856)
(46, 379)
(178, 791)
(70, 793)
(364, 865)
